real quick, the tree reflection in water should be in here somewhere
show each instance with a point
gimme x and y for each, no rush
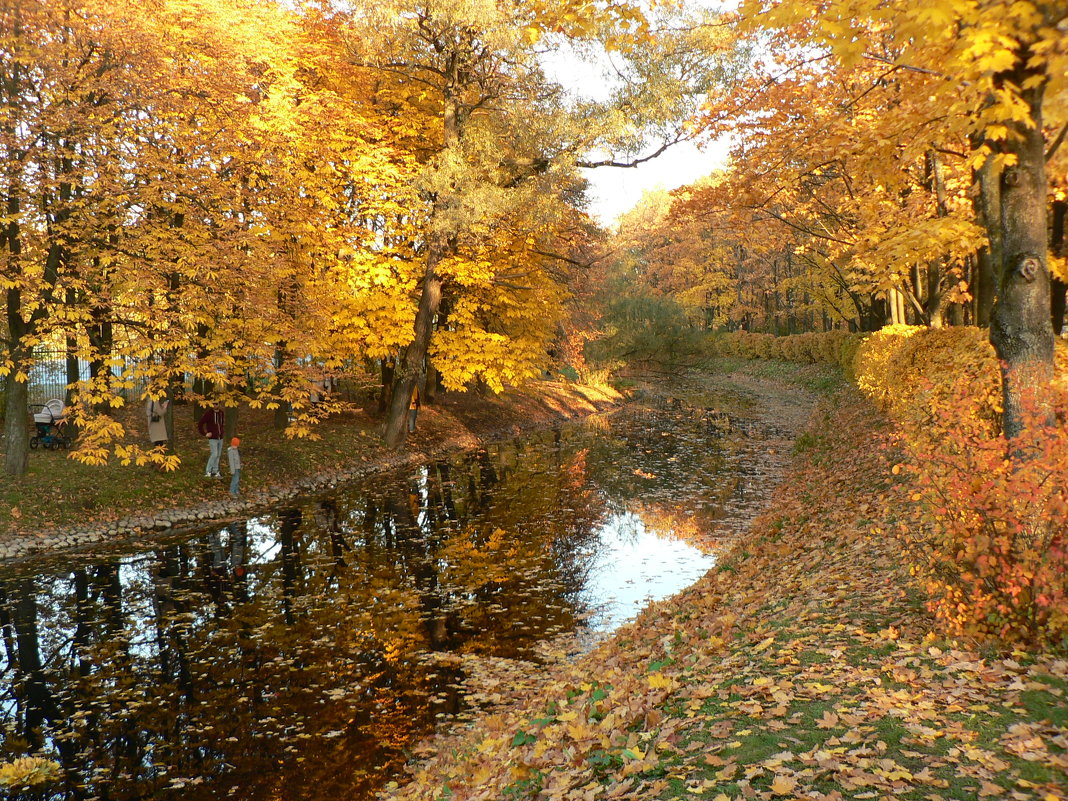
(284, 656)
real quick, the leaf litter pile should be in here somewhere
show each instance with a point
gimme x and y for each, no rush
(804, 666)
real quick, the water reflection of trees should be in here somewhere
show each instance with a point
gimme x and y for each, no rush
(280, 656)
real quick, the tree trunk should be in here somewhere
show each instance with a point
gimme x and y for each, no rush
(1020, 328)
(936, 268)
(202, 387)
(897, 306)
(74, 372)
(281, 413)
(17, 456)
(387, 371)
(989, 259)
(101, 345)
(411, 366)
(433, 376)
(230, 419)
(16, 426)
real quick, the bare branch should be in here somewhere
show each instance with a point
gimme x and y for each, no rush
(1056, 143)
(635, 162)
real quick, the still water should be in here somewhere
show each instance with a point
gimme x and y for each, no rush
(298, 654)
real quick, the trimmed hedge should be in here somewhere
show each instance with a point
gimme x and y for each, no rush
(816, 348)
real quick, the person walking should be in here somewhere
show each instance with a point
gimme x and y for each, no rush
(233, 456)
(210, 425)
(157, 426)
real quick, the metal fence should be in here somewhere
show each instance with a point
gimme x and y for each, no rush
(48, 378)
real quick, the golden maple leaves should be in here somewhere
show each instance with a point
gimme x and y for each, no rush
(858, 131)
(241, 200)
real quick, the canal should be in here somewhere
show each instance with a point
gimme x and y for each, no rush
(305, 652)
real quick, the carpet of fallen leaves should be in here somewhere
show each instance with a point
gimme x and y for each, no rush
(804, 666)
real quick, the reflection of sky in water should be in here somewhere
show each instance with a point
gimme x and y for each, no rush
(633, 566)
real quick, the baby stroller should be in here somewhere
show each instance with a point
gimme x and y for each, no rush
(49, 421)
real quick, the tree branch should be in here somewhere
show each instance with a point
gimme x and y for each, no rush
(1056, 143)
(635, 162)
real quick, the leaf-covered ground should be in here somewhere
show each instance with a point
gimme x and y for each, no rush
(803, 667)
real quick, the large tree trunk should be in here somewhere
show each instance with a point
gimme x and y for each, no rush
(17, 456)
(988, 209)
(411, 367)
(1020, 327)
(16, 426)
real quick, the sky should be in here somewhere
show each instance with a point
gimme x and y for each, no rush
(615, 190)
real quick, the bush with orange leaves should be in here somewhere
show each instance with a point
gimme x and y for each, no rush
(987, 528)
(985, 522)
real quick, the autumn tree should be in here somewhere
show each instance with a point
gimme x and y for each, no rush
(499, 173)
(990, 74)
(194, 193)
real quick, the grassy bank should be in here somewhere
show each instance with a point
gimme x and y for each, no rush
(804, 666)
(58, 491)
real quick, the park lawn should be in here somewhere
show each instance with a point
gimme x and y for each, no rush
(59, 492)
(804, 666)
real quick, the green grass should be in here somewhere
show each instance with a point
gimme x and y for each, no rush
(59, 491)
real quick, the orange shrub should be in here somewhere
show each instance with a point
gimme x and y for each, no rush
(989, 533)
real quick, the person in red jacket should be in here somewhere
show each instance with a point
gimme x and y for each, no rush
(210, 425)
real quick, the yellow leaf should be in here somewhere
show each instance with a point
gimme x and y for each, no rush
(658, 681)
(783, 785)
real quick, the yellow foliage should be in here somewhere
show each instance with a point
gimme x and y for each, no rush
(824, 347)
(874, 358)
(28, 772)
(907, 372)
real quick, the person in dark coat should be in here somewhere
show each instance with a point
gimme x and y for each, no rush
(210, 425)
